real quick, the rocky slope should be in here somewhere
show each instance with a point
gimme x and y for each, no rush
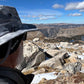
(66, 61)
(71, 32)
(36, 34)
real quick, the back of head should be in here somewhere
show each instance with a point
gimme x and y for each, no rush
(11, 30)
(9, 23)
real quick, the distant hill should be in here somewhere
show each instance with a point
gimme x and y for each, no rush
(35, 34)
(71, 32)
(51, 30)
(58, 25)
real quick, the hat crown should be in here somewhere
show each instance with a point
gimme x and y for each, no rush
(9, 20)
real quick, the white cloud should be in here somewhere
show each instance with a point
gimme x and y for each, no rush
(71, 6)
(40, 12)
(22, 12)
(76, 5)
(46, 18)
(26, 20)
(34, 16)
(82, 10)
(43, 18)
(24, 16)
(47, 15)
(28, 15)
(75, 14)
(38, 15)
(80, 5)
(55, 6)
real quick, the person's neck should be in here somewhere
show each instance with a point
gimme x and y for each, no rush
(6, 65)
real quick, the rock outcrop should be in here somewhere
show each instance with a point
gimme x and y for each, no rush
(66, 59)
(32, 56)
(55, 61)
(73, 68)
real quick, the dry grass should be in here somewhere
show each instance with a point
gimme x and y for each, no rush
(82, 51)
(47, 69)
(78, 78)
(28, 72)
(70, 49)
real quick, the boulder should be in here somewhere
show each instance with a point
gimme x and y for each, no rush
(42, 70)
(55, 52)
(35, 59)
(52, 52)
(36, 39)
(75, 45)
(63, 73)
(29, 48)
(64, 44)
(72, 58)
(32, 56)
(47, 45)
(28, 71)
(43, 81)
(53, 46)
(73, 67)
(55, 61)
(78, 52)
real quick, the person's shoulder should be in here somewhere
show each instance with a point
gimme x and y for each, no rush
(14, 76)
(4, 80)
(10, 76)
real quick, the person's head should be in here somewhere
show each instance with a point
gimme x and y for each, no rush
(15, 54)
(11, 35)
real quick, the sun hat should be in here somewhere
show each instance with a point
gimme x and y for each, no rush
(10, 24)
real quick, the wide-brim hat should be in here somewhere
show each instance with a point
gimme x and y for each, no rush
(10, 24)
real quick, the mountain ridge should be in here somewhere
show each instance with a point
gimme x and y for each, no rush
(51, 30)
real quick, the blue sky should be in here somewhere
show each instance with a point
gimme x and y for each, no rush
(48, 11)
